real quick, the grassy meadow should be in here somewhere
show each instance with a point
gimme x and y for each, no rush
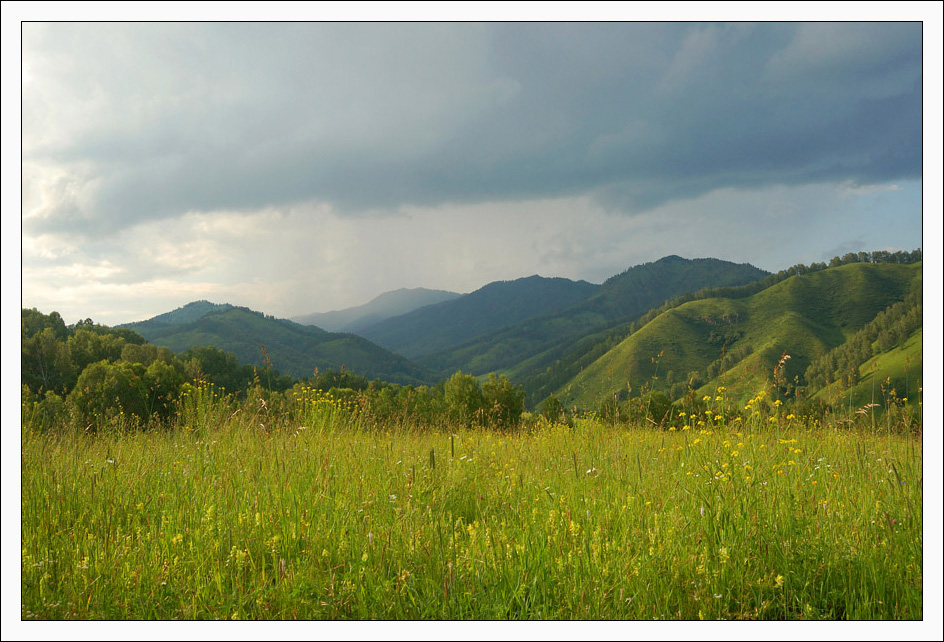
(315, 513)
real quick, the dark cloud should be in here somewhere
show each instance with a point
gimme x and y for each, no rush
(129, 123)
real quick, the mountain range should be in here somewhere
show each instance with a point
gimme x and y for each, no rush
(664, 325)
(542, 352)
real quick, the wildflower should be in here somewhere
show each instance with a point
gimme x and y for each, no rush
(778, 581)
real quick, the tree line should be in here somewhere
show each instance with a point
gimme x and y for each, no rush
(88, 374)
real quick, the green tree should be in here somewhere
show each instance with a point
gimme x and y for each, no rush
(552, 409)
(146, 353)
(90, 346)
(503, 401)
(464, 399)
(106, 389)
(219, 368)
(33, 322)
(162, 383)
(46, 362)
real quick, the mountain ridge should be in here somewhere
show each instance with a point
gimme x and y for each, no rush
(495, 305)
(526, 351)
(293, 349)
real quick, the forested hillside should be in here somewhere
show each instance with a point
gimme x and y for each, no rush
(544, 352)
(293, 349)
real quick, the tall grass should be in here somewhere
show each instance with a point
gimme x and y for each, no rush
(312, 513)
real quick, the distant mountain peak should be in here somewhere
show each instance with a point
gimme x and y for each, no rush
(186, 313)
(384, 306)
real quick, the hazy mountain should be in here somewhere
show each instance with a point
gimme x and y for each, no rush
(737, 341)
(293, 349)
(389, 304)
(496, 305)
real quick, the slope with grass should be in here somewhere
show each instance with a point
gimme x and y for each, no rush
(215, 519)
(293, 349)
(738, 342)
(891, 377)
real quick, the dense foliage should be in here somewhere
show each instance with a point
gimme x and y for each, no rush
(89, 376)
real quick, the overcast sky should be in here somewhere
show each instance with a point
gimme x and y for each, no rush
(298, 168)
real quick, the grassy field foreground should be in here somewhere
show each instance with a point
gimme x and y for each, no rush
(321, 518)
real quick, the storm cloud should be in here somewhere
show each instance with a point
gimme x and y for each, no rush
(125, 124)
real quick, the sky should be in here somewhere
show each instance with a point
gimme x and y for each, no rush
(305, 167)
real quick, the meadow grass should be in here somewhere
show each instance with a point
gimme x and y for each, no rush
(315, 514)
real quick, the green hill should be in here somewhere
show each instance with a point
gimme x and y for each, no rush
(544, 352)
(293, 349)
(739, 341)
